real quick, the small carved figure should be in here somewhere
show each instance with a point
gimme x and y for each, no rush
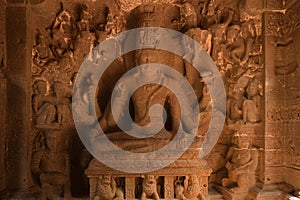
(252, 105)
(190, 189)
(86, 98)
(50, 166)
(285, 59)
(203, 37)
(83, 101)
(242, 160)
(60, 100)
(41, 52)
(60, 44)
(63, 32)
(150, 187)
(218, 31)
(235, 47)
(235, 103)
(188, 15)
(111, 25)
(64, 24)
(121, 24)
(239, 42)
(107, 189)
(43, 108)
(84, 23)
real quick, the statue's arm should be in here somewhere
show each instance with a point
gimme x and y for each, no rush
(251, 165)
(35, 104)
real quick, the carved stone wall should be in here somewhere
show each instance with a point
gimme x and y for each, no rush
(293, 138)
(255, 46)
(281, 90)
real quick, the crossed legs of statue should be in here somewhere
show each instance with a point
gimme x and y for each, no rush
(52, 183)
(239, 183)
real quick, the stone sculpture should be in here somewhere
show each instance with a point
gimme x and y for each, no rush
(252, 105)
(107, 189)
(190, 189)
(150, 188)
(234, 42)
(50, 164)
(242, 161)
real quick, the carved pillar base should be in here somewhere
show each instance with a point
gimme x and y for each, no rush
(29, 194)
(269, 191)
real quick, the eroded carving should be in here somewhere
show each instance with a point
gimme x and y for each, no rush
(190, 189)
(107, 189)
(280, 29)
(252, 105)
(150, 187)
(50, 165)
(241, 165)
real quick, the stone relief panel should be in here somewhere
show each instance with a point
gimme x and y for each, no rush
(282, 121)
(236, 47)
(226, 31)
(59, 48)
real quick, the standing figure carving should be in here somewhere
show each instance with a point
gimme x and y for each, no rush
(252, 105)
(43, 108)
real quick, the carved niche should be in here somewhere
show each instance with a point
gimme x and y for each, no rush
(225, 30)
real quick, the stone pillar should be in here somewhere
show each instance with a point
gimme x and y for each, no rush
(169, 187)
(18, 97)
(18, 175)
(18, 139)
(281, 85)
(3, 132)
(3, 98)
(129, 187)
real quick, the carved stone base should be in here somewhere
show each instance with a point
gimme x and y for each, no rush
(228, 195)
(167, 177)
(26, 194)
(269, 191)
(260, 194)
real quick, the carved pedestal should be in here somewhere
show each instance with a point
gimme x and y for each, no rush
(228, 195)
(166, 178)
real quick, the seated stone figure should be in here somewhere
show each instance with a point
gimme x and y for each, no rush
(50, 165)
(146, 96)
(107, 189)
(150, 187)
(190, 189)
(241, 165)
(143, 99)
